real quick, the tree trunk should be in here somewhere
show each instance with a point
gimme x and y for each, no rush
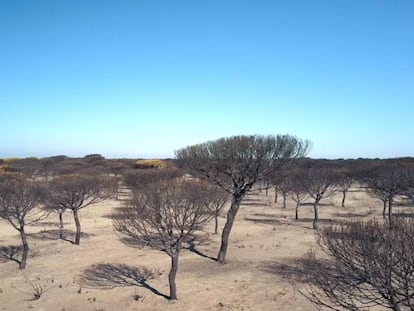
(23, 236)
(297, 210)
(316, 218)
(343, 198)
(78, 226)
(215, 223)
(284, 199)
(275, 194)
(172, 274)
(394, 305)
(390, 199)
(60, 225)
(393, 298)
(118, 188)
(231, 215)
(384, 210)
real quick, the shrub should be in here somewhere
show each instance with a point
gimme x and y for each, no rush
(150, 163)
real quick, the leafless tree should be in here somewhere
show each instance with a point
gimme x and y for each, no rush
(366, 264)
(297, 190)
(165, 215)
(277, 180)
(276, 189)
(345, 181)
(385, 182)
(383, 196)
(320, 183)
(237, 163)
(408, 188)
(59, 210)
(75, 192)
(218, 198)
(19, 202)
(284, 186)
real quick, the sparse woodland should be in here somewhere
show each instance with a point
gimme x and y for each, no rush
(357, 254)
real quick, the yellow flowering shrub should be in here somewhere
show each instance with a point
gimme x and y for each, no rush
(150, 163)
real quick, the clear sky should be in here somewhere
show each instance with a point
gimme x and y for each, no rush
(144, 78)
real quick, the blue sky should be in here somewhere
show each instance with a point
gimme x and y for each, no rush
(144, 78)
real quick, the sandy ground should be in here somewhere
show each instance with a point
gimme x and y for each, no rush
(103, 272)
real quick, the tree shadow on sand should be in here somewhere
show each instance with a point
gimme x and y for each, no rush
(189, 245)
(404, 202)
(303, 222)
(130, 242)
(192, 248)
(301, 270)
(310, 204)
(254, 203)
(322, 221)
(106, 276)
(266, 221)
(404, 214)
(352, 215)
(46, 224)
(58, 234)
(10, 253)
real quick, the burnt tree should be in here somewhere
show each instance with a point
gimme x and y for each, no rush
(75, 192)
(320, 183)
(237, 163)
(19, 205)
(408, 189)
(296, 190)
(165, 215)
(218, 198)
(366, 264)
(345, 182)
(385, 182)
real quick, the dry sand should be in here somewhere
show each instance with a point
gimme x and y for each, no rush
(99, 273)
